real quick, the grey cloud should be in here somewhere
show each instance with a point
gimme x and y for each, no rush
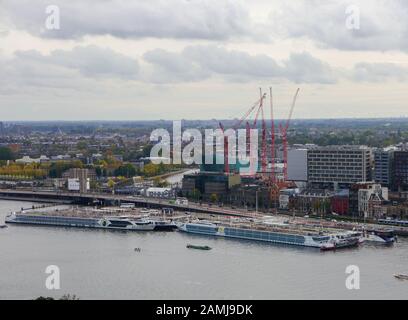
(384, 24)
(304, 68)
(78, 68)
(193, 64)
(379, 72)
(173, 67)
(232, 62)
(20, 75)
(183, 19)
(200, 62)
(91, 61)
(65, 71)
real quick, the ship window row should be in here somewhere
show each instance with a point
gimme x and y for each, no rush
(264, 235)
(321, 239)
(201, 229)
(56, 220)
(120, 224)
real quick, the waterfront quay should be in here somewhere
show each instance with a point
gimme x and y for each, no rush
(102, 217)
(203, 211)
(106, 199)
(265, 229)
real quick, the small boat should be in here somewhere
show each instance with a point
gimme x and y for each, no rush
(3, 226)
(162, 225)
(401, 276)
(340, 242)
(380, 236)
(190, 246)
(123, 223)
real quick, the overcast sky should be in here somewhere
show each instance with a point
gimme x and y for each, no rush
(202, 59)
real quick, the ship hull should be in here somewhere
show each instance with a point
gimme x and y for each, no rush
(255, 235)
(74, 222)
(340, 245)
(167, 227)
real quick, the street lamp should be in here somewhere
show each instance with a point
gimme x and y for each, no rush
(256, 201)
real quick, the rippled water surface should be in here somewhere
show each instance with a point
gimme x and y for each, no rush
(103, 265)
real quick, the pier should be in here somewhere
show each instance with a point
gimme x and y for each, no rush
(105, 199)
(99, 198)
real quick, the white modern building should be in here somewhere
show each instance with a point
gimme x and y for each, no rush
(160, 192)
(297, 164)
(80, 185)
(74, 185)
(29, 160)
(339, 164)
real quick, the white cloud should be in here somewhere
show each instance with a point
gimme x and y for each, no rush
(383, 24)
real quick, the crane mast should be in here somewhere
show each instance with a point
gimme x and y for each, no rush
(284, 133)
(259, 107)
(263, 141)
(258, 103)
(273, 177)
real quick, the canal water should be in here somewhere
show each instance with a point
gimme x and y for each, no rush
(178, 177)
(104, 265)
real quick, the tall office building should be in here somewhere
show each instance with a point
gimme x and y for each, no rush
(383, 159)
(339, 164)
(400, 170)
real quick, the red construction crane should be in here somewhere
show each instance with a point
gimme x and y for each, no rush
(284, 130)
(248, 138)
(258, 103)
(264, 161)
(273, 176)
(260, 111)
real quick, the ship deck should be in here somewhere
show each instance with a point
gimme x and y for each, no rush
(226, 222)
(279, 228)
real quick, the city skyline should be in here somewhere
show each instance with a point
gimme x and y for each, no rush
(195, 157)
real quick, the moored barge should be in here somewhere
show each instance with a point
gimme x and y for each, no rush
(115, 223)
(275, 234)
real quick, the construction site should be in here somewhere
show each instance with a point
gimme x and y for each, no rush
(258, 189)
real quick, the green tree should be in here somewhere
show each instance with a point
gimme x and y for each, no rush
(146, 150)
(58, 168)
(213, 198)
(126, 170)
(111, 183)
(196, 194)
(151, 170)
(160, 183)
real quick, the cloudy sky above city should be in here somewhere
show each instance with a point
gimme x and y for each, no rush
(202, 59)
